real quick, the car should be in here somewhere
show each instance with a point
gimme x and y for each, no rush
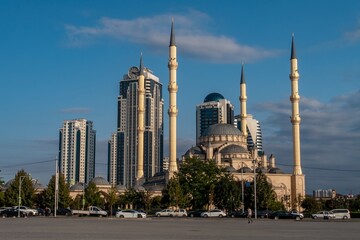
(285, 215)
(213, 213)
(164, 213)
(195, 213)
(341, 213)
(297, 213)
(238, 214)
(63, 211)
(41, 212)
(323, 215)
(130, 214)
(179, 213)
(29, 211)
(12, 212)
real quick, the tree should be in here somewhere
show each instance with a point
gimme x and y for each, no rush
(111, 199)
(93, 196)
(227, 194)
(64, 199)
(173, 194)
(27, 190)
(310, 204)
(198, 180)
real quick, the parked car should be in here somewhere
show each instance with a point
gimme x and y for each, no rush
(179, 213)
(296, 213)
(63, 211)
(214, 213)
(195, 213)
(285, 215)
(29, 211)
(41, 211)
(238, 214)
(323, 214)
(12, 212)
(130, 214)
(341, 213)
(164, 213)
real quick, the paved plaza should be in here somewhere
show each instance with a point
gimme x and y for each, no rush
(174, 228)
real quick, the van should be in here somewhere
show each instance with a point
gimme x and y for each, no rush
(341, 213)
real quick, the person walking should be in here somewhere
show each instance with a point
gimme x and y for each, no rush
(249, 215)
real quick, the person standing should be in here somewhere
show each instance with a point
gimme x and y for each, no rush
(249, 215)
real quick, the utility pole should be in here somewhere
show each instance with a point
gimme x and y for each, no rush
(21, 178)
(56, 186)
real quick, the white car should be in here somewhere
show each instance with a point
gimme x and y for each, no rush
(214, 213)
(29, 211)
(165, 213)
(323, 215)
(130, 214)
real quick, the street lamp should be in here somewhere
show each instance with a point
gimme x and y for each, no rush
(254, 162)
(242, 187)
(21, 178)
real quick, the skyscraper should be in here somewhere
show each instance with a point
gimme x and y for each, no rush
(127, 127)
(214, 109)
(112, 160)
(254, 134)
(77, 151)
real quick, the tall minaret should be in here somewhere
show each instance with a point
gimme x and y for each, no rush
(243, 98)
(295, 117)
(173, 65)
(141, 110)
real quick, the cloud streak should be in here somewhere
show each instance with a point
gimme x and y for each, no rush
(76, 110)
(153, 32)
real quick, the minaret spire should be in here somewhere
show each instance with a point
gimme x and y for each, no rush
(173, 111)
(141, 128)
(293, 52)
(243, 98)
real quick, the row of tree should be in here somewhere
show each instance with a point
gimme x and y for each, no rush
(197, 185)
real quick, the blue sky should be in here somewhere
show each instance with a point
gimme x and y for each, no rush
(64, 60)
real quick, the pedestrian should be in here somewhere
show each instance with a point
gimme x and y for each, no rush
(249, 215)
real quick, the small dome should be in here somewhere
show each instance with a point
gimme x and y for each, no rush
(221, 129)
(233, 149)
(194, 150)
(121, 187)
(155, 187)
(99, 181)
(230, 169)
(245, 170)
(213, 97)
(276, 171)
(39, 186)
(261, 169)
(77, 187)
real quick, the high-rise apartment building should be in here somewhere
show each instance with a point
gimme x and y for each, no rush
(112, 160)
(215, 109)
(77, 151)
(127, 127)
(254, 134)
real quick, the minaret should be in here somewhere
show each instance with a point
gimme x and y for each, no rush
(295, 117)
(297, 178)
(141, 110)
(173, 65)
(243, 99)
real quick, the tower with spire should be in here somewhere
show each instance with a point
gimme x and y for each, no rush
(298, 179)
(243, 98)
(173, 111)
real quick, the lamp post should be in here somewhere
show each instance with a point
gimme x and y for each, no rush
(21, 178)
(242, 187)
(254, 162)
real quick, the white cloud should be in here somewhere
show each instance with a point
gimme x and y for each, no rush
(191, 37)
(76, 110)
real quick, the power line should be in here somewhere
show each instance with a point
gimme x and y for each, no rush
(26, 164)
(324, 169)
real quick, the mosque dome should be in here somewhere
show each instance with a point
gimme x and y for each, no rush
(194, 150)
(260, 170)
(221, 129)
(245, 170)
(276, 171)
(213, 97)
(8, 183)
(233, 149)
(121, 187)
(77, 187)
(139, 188)
(99, 181)
(230, 169)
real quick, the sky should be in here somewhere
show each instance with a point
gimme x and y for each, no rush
(62, 60)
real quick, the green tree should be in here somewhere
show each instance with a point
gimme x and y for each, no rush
(198, 180)
(111, 199)
(27, 190)
(310, 204)
(173, 194)
(93, 196)
(227, 194)
(64, 199)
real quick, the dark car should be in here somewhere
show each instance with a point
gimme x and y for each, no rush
(284, 215)
(238, 214)
(11, 212)
(41, 211)
(195, 213)
(63, 211)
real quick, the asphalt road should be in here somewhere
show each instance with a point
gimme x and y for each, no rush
(88, 228)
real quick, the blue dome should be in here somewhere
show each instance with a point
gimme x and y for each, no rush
(213, 97)
(222, 129)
